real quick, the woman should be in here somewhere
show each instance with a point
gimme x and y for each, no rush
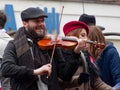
(107, 59)
(80, 30)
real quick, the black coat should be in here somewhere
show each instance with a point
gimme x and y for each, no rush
(20, 70)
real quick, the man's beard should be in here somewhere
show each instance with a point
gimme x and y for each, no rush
(32, 30)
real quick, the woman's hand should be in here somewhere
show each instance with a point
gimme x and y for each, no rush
(45, 69)
(81, 45)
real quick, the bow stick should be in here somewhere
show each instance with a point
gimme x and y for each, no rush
(56, 37)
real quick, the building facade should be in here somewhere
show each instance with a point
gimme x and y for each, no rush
(107, 15)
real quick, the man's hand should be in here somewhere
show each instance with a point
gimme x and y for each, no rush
(45, 69)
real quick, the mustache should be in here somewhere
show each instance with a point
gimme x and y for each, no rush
(41, 27)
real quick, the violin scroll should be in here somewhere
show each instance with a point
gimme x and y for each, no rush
(98, 45)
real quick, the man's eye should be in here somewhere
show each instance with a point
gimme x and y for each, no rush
(37, 21)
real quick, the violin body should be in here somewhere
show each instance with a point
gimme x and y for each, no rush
(49, 44)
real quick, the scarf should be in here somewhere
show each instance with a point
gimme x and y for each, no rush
(40, 57)
(92, 68)
(21, 42)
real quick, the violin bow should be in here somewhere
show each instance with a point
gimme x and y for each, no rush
(56, 36)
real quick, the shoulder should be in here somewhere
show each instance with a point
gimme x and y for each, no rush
(11, 42)
(9, 50)
(110, 53)
(110, 49)
(10, 45)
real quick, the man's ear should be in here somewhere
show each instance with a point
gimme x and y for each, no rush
(25, 24)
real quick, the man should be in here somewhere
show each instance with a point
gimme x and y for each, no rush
(90, 20)
(29, 66)
(4, 39)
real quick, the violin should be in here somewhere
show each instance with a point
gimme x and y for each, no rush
(65, 42)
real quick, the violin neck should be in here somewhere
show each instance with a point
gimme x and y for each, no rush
(75, 39)
(69, 39)
(90, 42)
(99, 45)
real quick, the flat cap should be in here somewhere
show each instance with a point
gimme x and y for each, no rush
(72, 25)
(31, 13)
(90, 20)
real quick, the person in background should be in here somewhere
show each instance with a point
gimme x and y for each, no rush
(107, 59)
(90, 20)
(4, 39)
(27, 64)
(80, 80)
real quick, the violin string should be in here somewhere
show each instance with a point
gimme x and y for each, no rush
(56, 37)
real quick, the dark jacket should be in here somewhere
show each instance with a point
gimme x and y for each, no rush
(20, 70)
(109, 64)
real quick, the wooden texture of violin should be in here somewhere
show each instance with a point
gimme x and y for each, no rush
(66, 43)
(48, 44)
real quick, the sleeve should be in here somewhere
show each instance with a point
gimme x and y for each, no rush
(114, 65)
(117, 86)
(9, 65)
(65, 69)
(100, 85)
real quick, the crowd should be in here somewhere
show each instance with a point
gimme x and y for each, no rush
(29, 65)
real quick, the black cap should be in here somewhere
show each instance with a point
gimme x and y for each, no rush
(31, 13)
(89, 20)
